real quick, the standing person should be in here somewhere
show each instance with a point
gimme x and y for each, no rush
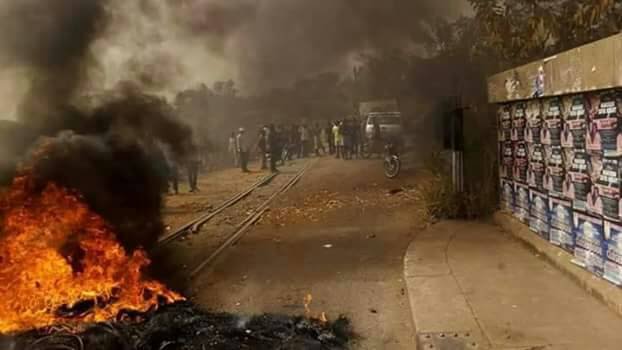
(304, 141)
(280, 143)
(233, 149)
(346, 133)
(167, 168)
(363, 131)
(172, 178)
(338, 139)
(356, 137)
(297, 141)
(331, 138)
(193, 164)
(315, 134)
(289, 144)
(262, 147)
(376, 133)
(273, 147)
(322, 138)
(242, 145)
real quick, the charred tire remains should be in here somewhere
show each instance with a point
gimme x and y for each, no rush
(182, 326)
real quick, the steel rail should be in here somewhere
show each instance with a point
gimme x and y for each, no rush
(252, 218)
(194, 224)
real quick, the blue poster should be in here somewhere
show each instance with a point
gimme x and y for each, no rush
(540, 227)
(521, 202)
(613, 261)
(561, 224)
(590, 245)
(539, 214)
(539, 207)
(507, 195)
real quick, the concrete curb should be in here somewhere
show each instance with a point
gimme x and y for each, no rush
(597, 287)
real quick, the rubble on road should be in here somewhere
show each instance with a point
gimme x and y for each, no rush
(314, 207)
(182, 326)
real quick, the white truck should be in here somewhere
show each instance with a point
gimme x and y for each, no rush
(386, 114)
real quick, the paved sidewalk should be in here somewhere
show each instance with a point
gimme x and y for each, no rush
(473, 284)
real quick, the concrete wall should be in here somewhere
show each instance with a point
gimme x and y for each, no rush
(595, 66)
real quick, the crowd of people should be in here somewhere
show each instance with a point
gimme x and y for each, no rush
(275, 145)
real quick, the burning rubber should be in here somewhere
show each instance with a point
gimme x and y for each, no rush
(120, 308)
(185, 327)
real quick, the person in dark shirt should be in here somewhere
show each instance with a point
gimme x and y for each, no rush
(262, 147)
(273, 146)
(173, 177)
(331, 138)
(243, 149)
(346, 131)
(356, 137)
(193, 164)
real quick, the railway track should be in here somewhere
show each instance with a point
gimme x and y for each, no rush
(250, 219)
(216, 231)
(195, 224)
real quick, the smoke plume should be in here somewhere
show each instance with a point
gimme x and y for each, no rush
(259, 44)
(109, 146)
(117, 164)
(50, 41)
(274, 42)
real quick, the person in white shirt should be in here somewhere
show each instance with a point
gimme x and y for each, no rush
(337, 134)
(304, 141)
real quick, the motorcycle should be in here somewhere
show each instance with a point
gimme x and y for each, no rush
(392, 162)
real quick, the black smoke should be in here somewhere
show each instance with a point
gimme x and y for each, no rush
(109, 148)
(115, 159)
(50, 41)
(274, 42)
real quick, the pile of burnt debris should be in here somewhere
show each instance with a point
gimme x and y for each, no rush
(182, 326)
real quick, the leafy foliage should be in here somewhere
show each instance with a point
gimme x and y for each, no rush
(520, 30)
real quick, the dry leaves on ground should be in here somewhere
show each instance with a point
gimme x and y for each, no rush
(314, 207)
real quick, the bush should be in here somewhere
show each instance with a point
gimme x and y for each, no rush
(442, 202)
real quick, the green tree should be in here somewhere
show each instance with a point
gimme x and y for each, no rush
(521, 30)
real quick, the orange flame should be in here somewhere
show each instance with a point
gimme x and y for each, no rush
(38, 277)
(307, 300)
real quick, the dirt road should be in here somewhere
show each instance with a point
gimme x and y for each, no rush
(340, 236)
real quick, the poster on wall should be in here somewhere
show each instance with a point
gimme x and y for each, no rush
(576, 121)
(553, 120)
(534, 122)
(589, 251)
(561, 224)
(604, 198)
(613, 258)
(507, 160)
(519, 121)
(521, 162)
(521, 202)
(555, 171)
(604, 132)
(537, 167)
(507, 195)
(578, 181)
(539, 213)
(505, 123)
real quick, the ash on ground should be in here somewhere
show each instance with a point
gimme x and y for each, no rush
(182, 326)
